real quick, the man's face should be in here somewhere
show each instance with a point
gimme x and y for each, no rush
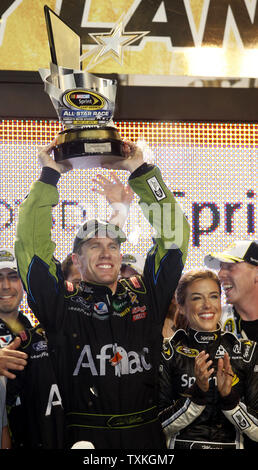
(238, 281)
(11, 291)
(99, 261)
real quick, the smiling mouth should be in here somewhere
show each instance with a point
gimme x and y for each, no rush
(227, 288)
(5, 297)
(104, 266)
(206, 316)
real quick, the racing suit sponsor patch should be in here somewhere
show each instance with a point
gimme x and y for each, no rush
(235, 380)
(23, 335)
(123, 313)
(139, 313)
(100, 310)
(167, 351)
(156, 188)
(240, 420)
(237, 349)
(69, 286)
(40, 346)
(220, 352)
(135, 282)
(40, 331)
(229, 325)
(205, 337)
(248, 349)
(187, 351)
(124, 362)
(5, 340)
(133, 297)
(119, 305)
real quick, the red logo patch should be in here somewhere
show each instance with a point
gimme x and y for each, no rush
(135, 282)
(69, 286)
(139, 316)
(23, 335)
(139, 313)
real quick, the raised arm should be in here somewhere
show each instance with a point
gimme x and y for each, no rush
(119, 197)
(34, 248)
(156, 201)
(164, 262)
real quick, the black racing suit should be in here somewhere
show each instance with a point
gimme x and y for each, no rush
(6, 333)
(194, 419)
(231, 321)
(35, 411)
(107, 347)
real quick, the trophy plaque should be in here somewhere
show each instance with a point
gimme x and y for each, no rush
(83, 102)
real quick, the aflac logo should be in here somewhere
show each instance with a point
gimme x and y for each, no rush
(112, 355)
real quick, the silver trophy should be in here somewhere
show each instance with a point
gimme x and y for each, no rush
(84, 103)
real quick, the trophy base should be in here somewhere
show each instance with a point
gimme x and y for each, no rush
(88, 147)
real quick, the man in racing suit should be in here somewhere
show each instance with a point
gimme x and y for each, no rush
(106, 341)
(34, 404)
(193, 419)
(237, 268)
(35, 412)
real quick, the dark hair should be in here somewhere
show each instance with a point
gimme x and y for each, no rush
(180, 321)
(66, 265)
(78, 247)
(191, 276)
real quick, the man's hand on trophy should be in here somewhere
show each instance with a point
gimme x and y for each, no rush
(133, 158)
(46, 160)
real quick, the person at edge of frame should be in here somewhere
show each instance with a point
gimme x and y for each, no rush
(25, 364)
(107, 335)
(208, 377)
(237, 268)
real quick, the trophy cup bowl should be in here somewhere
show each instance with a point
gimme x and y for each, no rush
(98, 146)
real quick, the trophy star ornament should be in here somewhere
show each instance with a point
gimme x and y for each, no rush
(6, 9)
(111, 44)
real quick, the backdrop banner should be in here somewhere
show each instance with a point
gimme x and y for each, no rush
(141, 38)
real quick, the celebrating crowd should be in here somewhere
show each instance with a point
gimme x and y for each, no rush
(128, 353)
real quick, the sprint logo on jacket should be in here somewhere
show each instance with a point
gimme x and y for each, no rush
(111, 355)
